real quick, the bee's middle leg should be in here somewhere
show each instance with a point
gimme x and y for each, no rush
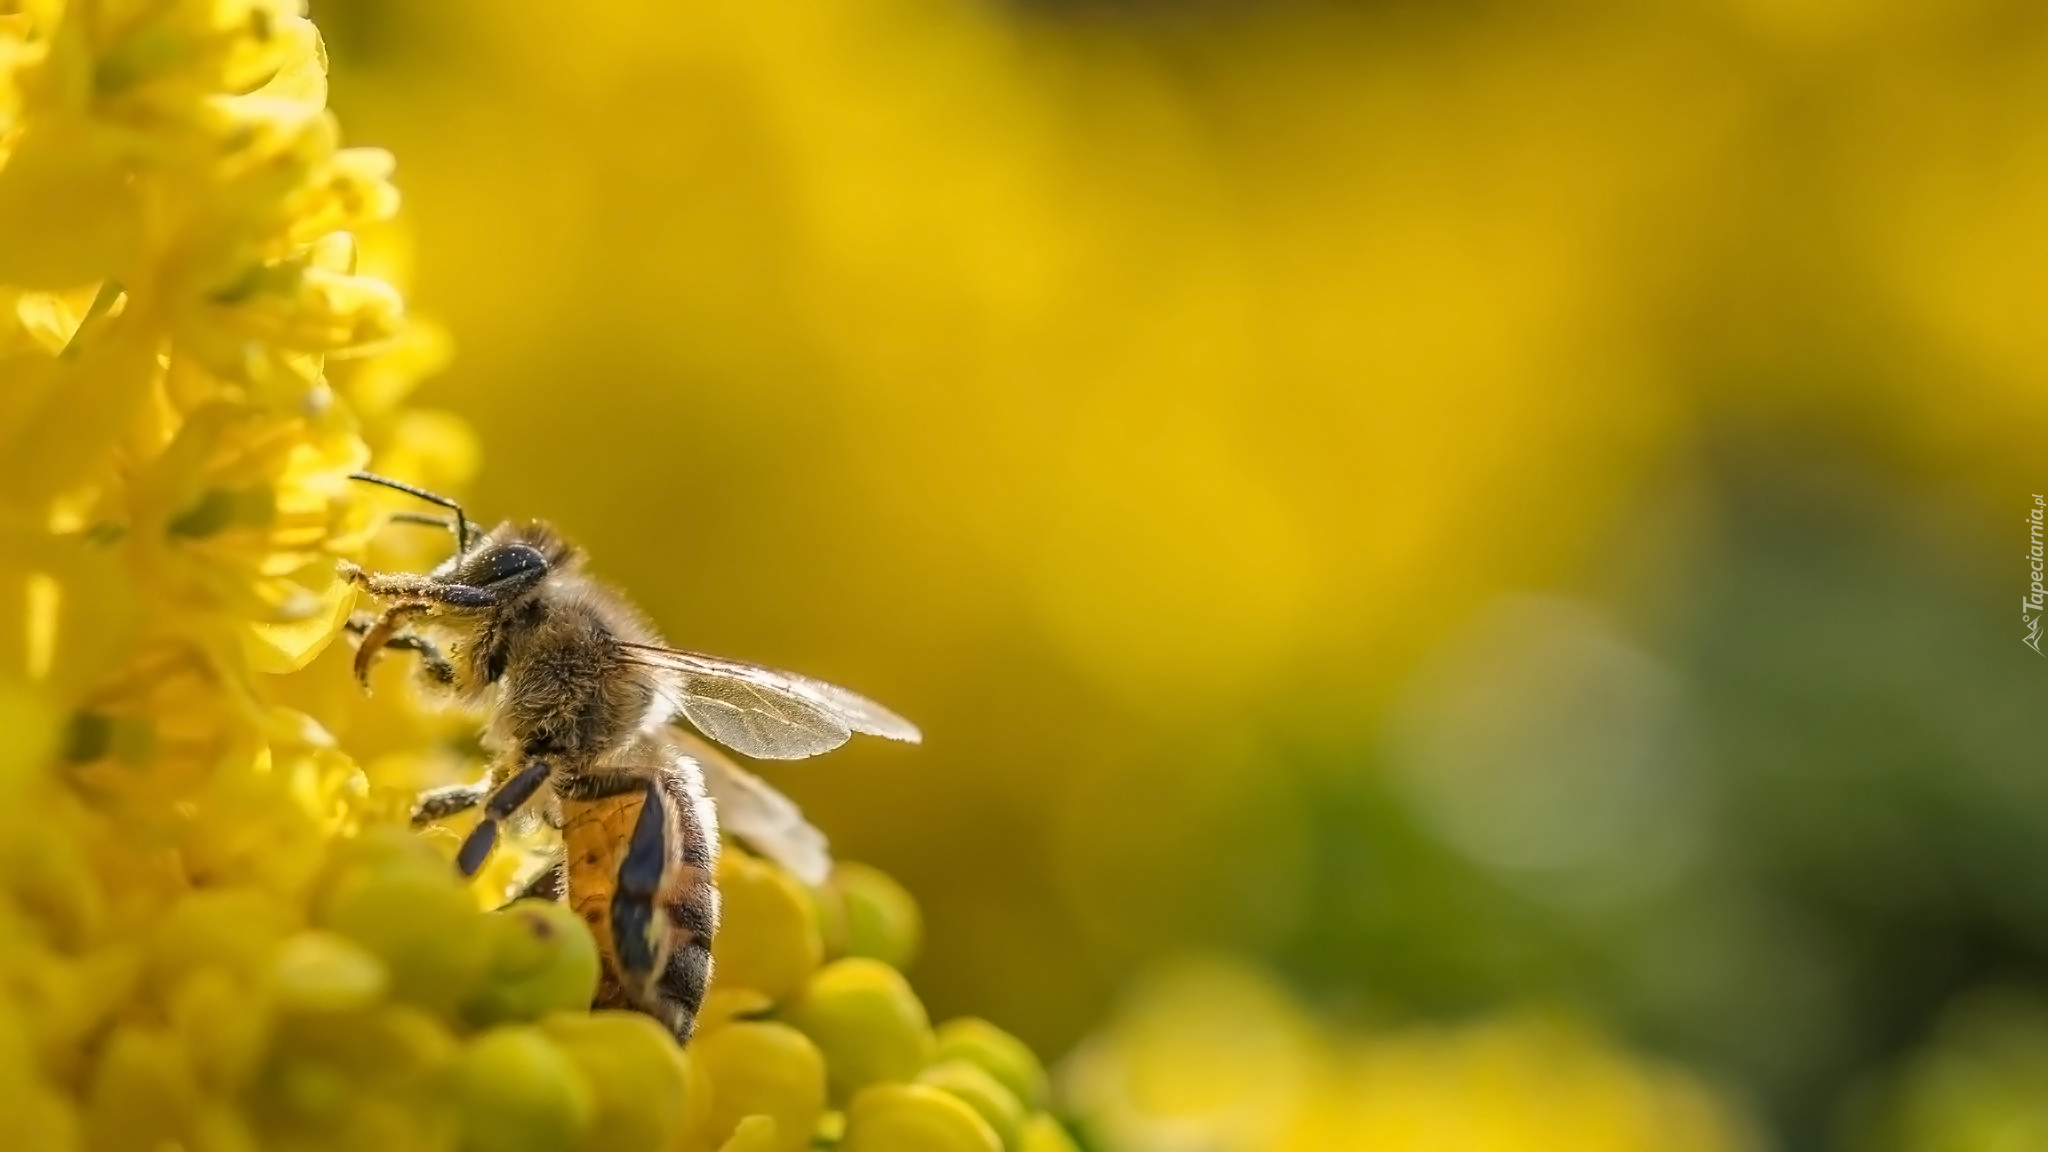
(375, 634)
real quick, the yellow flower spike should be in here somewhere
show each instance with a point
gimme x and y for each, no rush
(518, 1092)
(638, 1077)
(757, 1134)
(998, 1053)
(769, 940)
(865, 1019)
(882, 920)
(767, 1069)
(915, 1118)
(216, 932)
(1042, 1133)
(325, 972)
(983, 1093)
(542, 960)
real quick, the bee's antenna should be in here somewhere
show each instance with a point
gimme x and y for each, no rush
(461, 521)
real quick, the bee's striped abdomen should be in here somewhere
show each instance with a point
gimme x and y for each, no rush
(639, 873)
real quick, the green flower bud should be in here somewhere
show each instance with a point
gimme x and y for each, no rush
(143, 1093)
(1000, 1054)
(419, 920)
(542, 960)
(638, 1078)
(882, 920)
(324, 972)
(763, 1069)
(236, 929)
(983, 1093)
(726, 1003)
(865, 1019)
(1042, 1133)
(517, 1092)
(757, 1134)
(915, 1118)
(769, 939)
(223, 1028)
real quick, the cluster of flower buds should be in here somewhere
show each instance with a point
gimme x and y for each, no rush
(216, 933)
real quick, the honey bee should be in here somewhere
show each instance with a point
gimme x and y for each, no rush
(583, 704)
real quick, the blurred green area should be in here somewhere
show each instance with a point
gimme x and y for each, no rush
(1465, 504)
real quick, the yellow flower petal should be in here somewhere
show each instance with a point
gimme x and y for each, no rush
(68, 214)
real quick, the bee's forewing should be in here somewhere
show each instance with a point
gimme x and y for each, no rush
(765, 713)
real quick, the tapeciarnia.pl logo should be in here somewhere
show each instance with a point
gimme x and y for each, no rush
(2037, 597)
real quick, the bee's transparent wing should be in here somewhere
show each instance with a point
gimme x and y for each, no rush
(751, 809)
(764, 713)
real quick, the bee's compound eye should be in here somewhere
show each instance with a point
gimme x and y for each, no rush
(508, 562)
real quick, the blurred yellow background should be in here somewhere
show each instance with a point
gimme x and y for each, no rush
(1462, 503)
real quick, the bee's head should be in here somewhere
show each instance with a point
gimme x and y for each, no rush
(512, 559)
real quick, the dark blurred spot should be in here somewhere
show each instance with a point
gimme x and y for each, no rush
(88, 737)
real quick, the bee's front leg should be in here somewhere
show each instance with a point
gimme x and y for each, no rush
(413, 586)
